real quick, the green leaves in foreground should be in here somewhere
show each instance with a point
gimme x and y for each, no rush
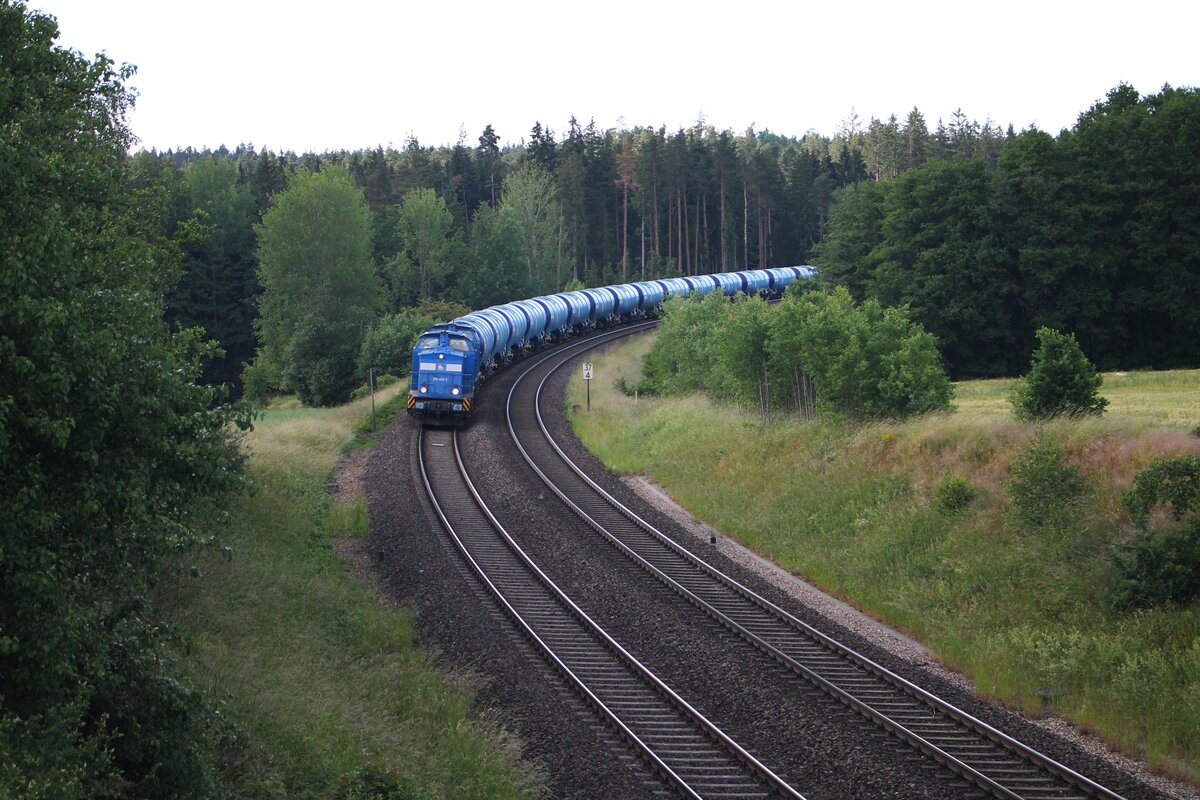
(115, 460)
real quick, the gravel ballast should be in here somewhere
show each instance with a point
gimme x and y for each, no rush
(824, 750)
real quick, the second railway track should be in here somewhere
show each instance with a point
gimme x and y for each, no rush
(695, 757)
(991, 760)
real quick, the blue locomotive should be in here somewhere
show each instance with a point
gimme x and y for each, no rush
(450, 359)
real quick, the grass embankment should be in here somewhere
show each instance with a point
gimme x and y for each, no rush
(1021, 612)
(321, 677)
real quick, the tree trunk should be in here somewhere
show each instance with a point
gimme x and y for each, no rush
(745, 225)
(625, 236)
(724, 229)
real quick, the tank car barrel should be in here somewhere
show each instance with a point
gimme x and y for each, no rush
(451, 357)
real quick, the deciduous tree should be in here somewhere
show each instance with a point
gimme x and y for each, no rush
(111, 452)
(314, 251)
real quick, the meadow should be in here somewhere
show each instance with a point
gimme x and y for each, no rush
(326, 686)
(854, 508)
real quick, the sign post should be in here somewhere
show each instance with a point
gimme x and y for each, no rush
(587, 377)
(371, 381)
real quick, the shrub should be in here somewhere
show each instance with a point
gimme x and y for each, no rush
(1043, 488)
(953, 494)
(642, 387)
(866, 361)
(388, 345)
(376, 781)
(681, 359)
(1061, 381)
(1175, 481)
(1164, 568)
(321, 363)
(381, 383)
(1153, 570)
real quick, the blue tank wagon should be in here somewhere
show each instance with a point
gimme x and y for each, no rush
(450, 359)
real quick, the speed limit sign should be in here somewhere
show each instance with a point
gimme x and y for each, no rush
(587, 370)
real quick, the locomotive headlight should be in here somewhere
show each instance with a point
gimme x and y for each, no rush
(454, 391)
(441, 356)
(424, 389)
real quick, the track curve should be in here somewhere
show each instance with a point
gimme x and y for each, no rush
(692, 753)
(988, 758)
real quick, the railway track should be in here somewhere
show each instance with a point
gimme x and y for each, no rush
(694, 756)
(986, 757)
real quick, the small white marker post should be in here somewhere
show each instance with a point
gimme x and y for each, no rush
(587, 377)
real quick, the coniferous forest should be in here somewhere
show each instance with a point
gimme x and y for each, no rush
(986, 234)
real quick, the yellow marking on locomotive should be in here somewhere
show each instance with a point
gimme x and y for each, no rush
(412, 401)
(466, 404)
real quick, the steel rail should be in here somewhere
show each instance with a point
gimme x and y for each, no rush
(887, 721)
(594, 698)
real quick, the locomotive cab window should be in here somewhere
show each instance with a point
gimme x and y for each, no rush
(427, 342)
(459, 344)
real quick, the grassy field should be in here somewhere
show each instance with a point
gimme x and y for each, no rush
(327, 685)
(1020, 611)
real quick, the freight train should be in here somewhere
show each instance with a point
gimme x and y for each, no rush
(450, 359)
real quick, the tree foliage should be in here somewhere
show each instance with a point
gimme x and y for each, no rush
(111, 451)
(318, 281)
(1160, 567)
(863, 361)
(426, 231)
(218, 284)
(1095, 231)
(984, 234)
(1061, 381)
(387, 347)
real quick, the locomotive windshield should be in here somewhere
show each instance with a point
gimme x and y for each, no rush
(427, 342)
(458, 344)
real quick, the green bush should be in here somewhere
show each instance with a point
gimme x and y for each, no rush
(641, 387)
(321, 366)
(1154, 569)
(1044, 488)
(953, 494)
(1174, 481)
(381, 382)
(1061, 381)
(376, 781)
(388, 345)
(865, 360)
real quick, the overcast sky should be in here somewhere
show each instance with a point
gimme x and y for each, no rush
(353, 74)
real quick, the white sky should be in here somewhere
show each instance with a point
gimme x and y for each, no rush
(353, 74)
